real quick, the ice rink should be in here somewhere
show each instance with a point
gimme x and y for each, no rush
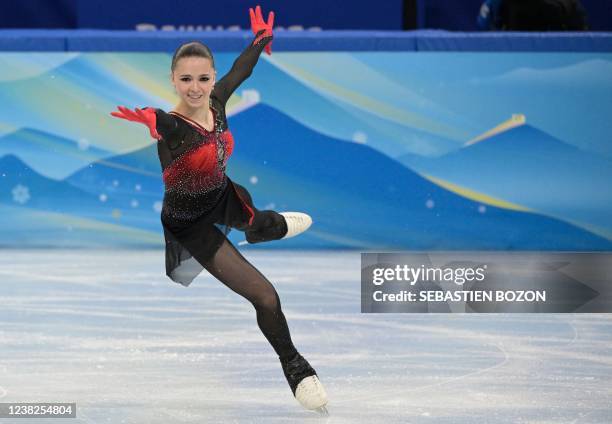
(109, 331)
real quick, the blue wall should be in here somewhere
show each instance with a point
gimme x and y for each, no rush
(127, 14)
(327, 14)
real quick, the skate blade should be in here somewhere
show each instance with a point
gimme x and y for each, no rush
(242, 243)
(322, 410)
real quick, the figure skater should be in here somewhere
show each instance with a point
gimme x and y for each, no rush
(201, 203)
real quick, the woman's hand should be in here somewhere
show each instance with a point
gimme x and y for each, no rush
(144, 116)
(258, 25)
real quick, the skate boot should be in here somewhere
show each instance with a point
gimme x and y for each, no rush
(294, 222)
(297, 223)
(305, 384)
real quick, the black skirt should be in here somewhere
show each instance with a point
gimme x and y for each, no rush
(190, 243)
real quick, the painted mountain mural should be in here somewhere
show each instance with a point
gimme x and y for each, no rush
(529, 167)
(357, 196)
(52, 155)
(42, 212)
(373, 145)
(363, 198)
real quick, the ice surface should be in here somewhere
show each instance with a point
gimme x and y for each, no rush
(108, 330)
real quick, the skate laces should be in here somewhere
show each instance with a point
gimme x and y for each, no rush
(310, 385)
(297, 222)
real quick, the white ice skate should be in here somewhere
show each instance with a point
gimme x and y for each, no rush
(297, 223)
(311, 394)
(304, 383)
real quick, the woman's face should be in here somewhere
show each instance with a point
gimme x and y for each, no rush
(194, 78)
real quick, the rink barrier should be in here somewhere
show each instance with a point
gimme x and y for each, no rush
(422, 40)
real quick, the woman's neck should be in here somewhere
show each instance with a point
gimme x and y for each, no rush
(199, 114)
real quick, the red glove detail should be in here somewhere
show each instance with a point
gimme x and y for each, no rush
(258, 24)
(144, 116)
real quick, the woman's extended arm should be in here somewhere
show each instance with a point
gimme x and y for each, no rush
(160, 123)
(244, 64)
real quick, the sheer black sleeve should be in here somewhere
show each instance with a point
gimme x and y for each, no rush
(166, 123)
(241, 70)
(168, 128)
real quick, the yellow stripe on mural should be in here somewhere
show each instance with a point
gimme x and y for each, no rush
(371, 105)
(476, 196)
(516, 120)
(129, 168)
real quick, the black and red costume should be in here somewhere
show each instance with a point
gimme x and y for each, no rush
(201, 203)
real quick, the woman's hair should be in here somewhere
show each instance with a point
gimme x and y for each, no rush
(191, 49)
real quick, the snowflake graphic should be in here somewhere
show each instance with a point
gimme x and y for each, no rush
(21, 194)
(360, 137)
(83, 144)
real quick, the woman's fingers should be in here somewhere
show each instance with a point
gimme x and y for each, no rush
(257, 21)
(118, 115)
(271, 20)
(128, 113)
(253, 19)
(125, 113)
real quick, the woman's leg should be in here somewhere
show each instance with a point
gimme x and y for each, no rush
(233, 270)
(266, 226)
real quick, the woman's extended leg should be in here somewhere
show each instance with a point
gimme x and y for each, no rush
(269, 225)
(233, 270)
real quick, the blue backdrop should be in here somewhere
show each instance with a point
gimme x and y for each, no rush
(328, 14)
(385, 149)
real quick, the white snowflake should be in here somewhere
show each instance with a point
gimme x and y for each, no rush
(83, 144)
(103, 197)
(429, 204)
(251, 96)
(157, 206)
(254, 179)
(21, 194)
(134, 203)
(482, 208)
(137, 187)
(115, 183)
(360, 137)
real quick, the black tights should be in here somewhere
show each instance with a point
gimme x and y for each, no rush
(233, 270)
